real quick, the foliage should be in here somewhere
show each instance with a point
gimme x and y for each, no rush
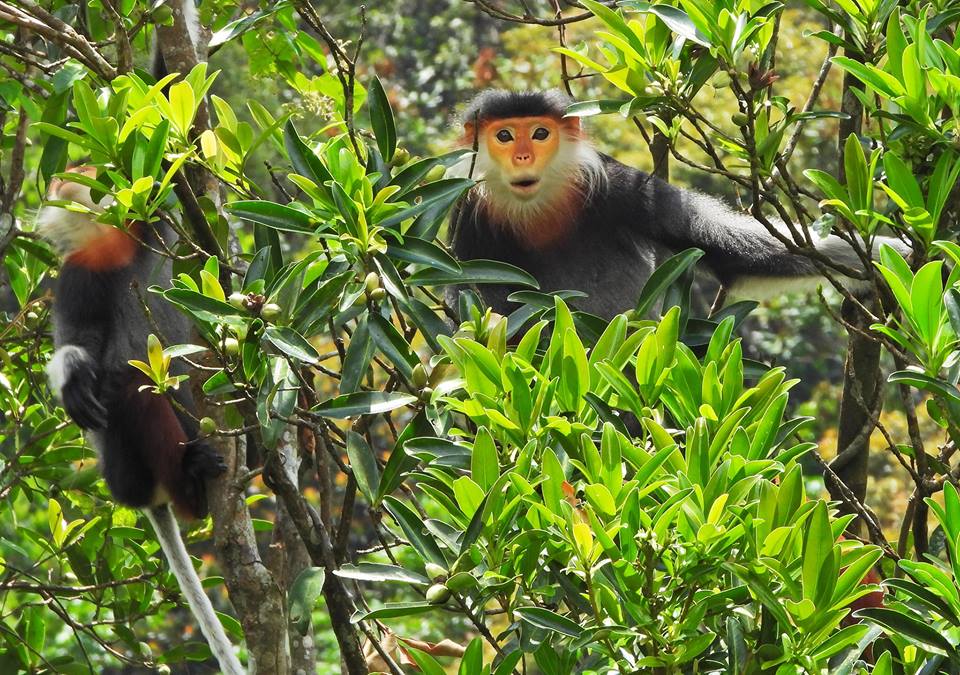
(584, 496)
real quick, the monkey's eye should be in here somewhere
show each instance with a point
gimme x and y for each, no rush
(541, 134)
(504, 136)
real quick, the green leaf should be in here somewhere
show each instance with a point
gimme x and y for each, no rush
(663, 276)
(183, 105)
(380, 572)
(363, 461)
(392, 343)
(440, 194)
(363, 403)
(381, 119)
(415, 250)
(472, 661)
(304, 160)
(273, 215)
(904, 625)
(882, 82)
(817, 545)
(484, 460)
(413, 528)
(544, 618)
(357, 361)
(919, 380)
(291, 343)
(474, 272)
(393, 610)
(303, 596)
(678, 21)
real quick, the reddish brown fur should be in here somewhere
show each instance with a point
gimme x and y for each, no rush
(111, 250)
(163, 443)
(551, 228)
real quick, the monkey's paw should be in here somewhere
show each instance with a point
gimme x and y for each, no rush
(80, 396)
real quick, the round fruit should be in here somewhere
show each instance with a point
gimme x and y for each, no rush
(372, 282)
(435, 571)
(231, 347)
(419, 377)
(378, 294)
(270, 311)
(238, 300)
(438, 593)
(208, 425)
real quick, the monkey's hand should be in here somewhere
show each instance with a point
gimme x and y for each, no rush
(77, 380)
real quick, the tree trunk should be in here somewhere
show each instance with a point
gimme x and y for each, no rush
(861, 372)
(255, 593)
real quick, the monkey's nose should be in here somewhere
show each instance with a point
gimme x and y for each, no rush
(522, 158)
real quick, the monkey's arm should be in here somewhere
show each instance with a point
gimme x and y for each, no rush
(748, 259)
(80, 330)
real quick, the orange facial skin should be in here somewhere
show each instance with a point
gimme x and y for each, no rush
(523, 147)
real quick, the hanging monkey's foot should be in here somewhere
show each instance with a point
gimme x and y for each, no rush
(200, 464)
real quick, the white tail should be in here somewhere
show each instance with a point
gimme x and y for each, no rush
(168, 534)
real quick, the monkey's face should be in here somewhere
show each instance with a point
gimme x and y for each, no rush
(523, 148)
(68, 190)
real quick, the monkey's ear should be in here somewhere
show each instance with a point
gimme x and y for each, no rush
(571, 125)
(469, 131)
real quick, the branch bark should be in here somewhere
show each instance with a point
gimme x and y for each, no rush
(861, 371)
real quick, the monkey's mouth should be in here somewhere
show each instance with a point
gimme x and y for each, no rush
(525, 186)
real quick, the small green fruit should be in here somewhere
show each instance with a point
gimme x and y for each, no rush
(426, 393)
(438, 593)
(163, 15)
(435, 571)
(378, 294)
(721, 80)
(231, 347)
(371, 282)
(462, 581)
(400, 156)
(436, 173)
(739, 119)
(238, 300)
(208, 425)
(270, 311)
(419, 377)
(360, 300)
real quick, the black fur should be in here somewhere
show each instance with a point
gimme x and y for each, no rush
(500, 103)
(625, 230)
(144, 441)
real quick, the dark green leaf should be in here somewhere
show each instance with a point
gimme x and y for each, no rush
(364, 464)
(363, 403)
(544, 618)
(379, 572)
(304, 593)
(412, 525)
(381, 119)
(474, 272)
(663, 276)
(291, 343)
(273, 215)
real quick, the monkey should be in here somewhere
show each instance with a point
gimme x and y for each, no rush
(148, 450)
(547, 202)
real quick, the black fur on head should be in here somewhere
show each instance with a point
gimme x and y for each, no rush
(494, 104)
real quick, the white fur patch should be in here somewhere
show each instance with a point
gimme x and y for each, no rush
(58, 370)
(574, 157)
(67, 230)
